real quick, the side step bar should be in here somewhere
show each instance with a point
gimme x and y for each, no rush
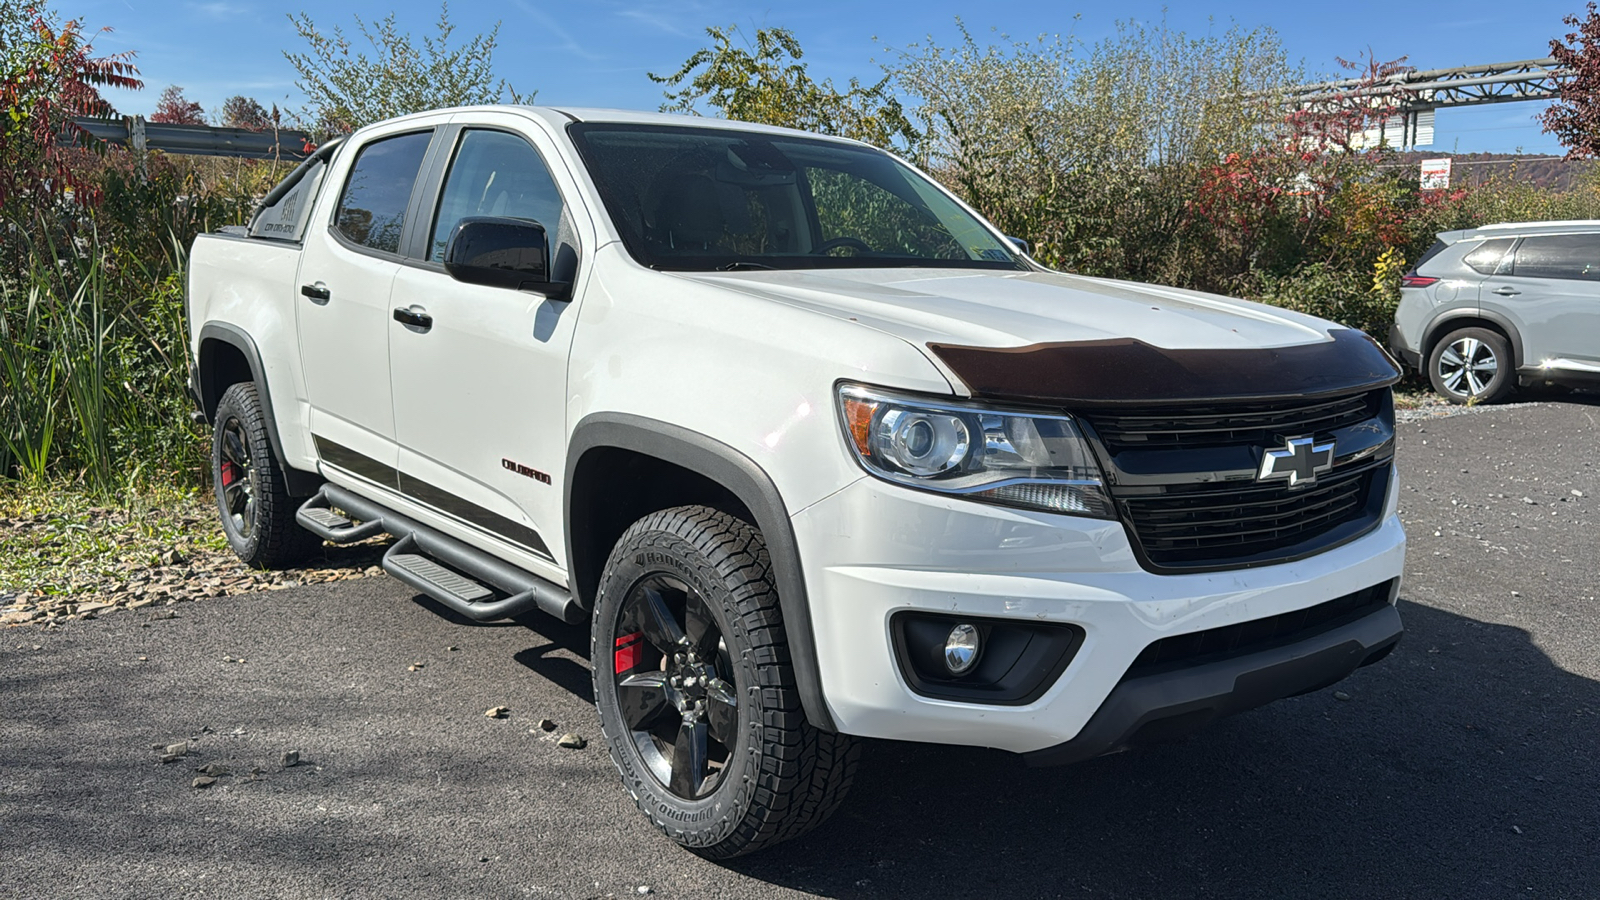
(415, 560)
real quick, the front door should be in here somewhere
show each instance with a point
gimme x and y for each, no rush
(479, 392)
(347, 271)
(1552, 295)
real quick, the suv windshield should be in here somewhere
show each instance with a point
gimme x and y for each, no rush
(713, 198)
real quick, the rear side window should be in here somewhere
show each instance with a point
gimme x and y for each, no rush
(1574, 256)
(1435, 250)
(372, 210)
(1488, 258)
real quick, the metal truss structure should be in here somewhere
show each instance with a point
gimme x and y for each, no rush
(1413, 97)
(1506, 82)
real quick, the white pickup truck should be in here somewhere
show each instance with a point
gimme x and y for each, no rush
(817, 452)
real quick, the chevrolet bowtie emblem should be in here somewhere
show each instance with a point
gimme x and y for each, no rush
(1300, 461)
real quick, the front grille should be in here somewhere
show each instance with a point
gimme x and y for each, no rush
(1178, 428)
(1261, 634)
(1184, 479)
(1201, 527)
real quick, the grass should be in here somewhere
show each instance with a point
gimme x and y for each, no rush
(69, 552)
(58, 541)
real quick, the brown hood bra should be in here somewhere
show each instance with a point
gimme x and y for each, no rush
(1128, 371)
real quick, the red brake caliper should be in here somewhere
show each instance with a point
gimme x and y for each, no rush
(228, 474)
(627, 654)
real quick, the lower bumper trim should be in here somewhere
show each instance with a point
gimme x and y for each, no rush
(1162, 706)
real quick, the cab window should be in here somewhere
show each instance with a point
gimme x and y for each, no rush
(372, 210)
(1571, 256)
(499, 174)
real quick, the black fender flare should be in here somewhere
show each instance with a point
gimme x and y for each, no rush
(1437, 328)
(753, 487)
(299, 482)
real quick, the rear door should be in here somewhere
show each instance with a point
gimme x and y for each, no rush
(346, 273)
(1551, 292)
(479, 395)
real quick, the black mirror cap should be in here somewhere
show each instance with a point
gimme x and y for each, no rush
(500, 251)
(1020, 244)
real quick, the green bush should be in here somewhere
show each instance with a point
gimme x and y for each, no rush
(1338, 294)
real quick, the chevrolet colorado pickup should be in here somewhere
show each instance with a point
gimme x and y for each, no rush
(816, 452)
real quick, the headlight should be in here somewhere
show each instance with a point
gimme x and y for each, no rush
(1022, 459)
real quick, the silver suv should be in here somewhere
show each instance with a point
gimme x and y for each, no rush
(1490, 307)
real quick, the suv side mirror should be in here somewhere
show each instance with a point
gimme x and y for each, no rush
(1020, 244)
(500, 251)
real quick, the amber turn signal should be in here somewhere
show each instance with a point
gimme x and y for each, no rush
(858, 414)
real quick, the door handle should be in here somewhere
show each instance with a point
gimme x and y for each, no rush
(316, 292)
(1506, 291)
(415, 317)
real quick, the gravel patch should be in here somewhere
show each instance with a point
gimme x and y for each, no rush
(73, 561)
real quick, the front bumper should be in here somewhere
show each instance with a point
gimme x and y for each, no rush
(875, 549)
(1163, 706)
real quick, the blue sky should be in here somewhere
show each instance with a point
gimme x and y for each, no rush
(596, 53)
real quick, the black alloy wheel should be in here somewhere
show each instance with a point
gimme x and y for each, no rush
(696, 694)
(674, 684)
(236, 479)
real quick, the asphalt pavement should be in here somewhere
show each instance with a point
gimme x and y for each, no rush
(1464, 765)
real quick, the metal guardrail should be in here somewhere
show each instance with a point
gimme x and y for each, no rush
(200, 140)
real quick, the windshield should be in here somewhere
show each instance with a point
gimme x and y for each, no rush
(697, 199)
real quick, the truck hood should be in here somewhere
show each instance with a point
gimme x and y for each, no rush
(1058, 337)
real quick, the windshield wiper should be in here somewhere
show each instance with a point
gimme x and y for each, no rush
(742, 264)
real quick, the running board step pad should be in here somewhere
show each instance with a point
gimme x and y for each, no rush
(315, 517)
(438, 576)
(327, 518)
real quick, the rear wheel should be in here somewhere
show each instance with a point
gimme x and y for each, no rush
(1472, 365)
(252, 495)
(696, 695)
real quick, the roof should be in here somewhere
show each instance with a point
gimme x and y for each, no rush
(637, 117)
(1502, 229)
(557, 117)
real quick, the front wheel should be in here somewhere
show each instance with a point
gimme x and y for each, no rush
(1472, 365)
(696, 695)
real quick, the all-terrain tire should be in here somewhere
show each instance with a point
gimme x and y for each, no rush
(1472, 365)
(252, 494)
(782, 777)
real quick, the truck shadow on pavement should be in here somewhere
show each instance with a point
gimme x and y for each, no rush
(1464, 765)
(553, 660)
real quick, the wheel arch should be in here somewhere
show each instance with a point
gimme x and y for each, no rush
(227, 356)
(1481, 318)
(593, 484)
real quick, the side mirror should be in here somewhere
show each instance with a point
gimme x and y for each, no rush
(499, 251)
(1020, 244)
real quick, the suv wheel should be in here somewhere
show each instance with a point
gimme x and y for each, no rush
(1472, 365)
(252, 497)
(696, 695)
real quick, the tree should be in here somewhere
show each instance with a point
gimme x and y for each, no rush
(1575, 116)
(1092, 152)
(347, 89)
(48, 76)
(246, 112)
(766, 82)
(175, 109)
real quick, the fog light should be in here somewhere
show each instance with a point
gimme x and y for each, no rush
(961, 649)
